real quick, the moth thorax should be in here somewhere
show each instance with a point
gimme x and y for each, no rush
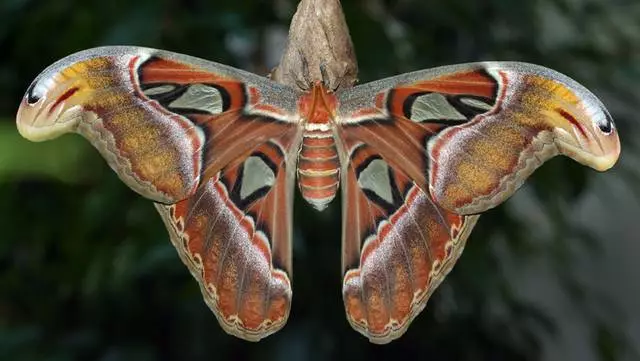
(318, 168)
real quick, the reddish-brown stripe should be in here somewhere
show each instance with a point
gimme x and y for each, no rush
(475, 82)
(307, 181)
(158, 70)
(318, 152)
(318, 165)
(66, 95)
(318, 193)
(566, 115)
(317, 142)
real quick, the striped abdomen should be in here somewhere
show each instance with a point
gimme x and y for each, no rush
(318, 168)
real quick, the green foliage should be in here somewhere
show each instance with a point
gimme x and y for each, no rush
(87, 271)
(69, 160)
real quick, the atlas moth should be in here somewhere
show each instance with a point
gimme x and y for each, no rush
(218, 150)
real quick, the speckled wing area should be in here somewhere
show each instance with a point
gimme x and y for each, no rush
(234, 234)
(398, 244)
(212, 145)
(424, 153)
(488, 126)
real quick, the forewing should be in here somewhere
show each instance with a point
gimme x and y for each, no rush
(471, 134)
(164, 122)
(212, 145)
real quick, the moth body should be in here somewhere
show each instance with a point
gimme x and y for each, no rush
(318, 162)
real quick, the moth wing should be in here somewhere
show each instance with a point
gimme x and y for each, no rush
(163, 121)
(471, 134)
(424, 153)
(213, 146)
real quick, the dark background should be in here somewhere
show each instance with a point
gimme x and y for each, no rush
(87, 271)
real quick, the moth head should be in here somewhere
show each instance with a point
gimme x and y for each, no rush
(53, 102)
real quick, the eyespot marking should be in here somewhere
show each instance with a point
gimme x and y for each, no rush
(32, 97)
(607, 127)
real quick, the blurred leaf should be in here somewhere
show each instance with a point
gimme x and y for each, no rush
(69, 159)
